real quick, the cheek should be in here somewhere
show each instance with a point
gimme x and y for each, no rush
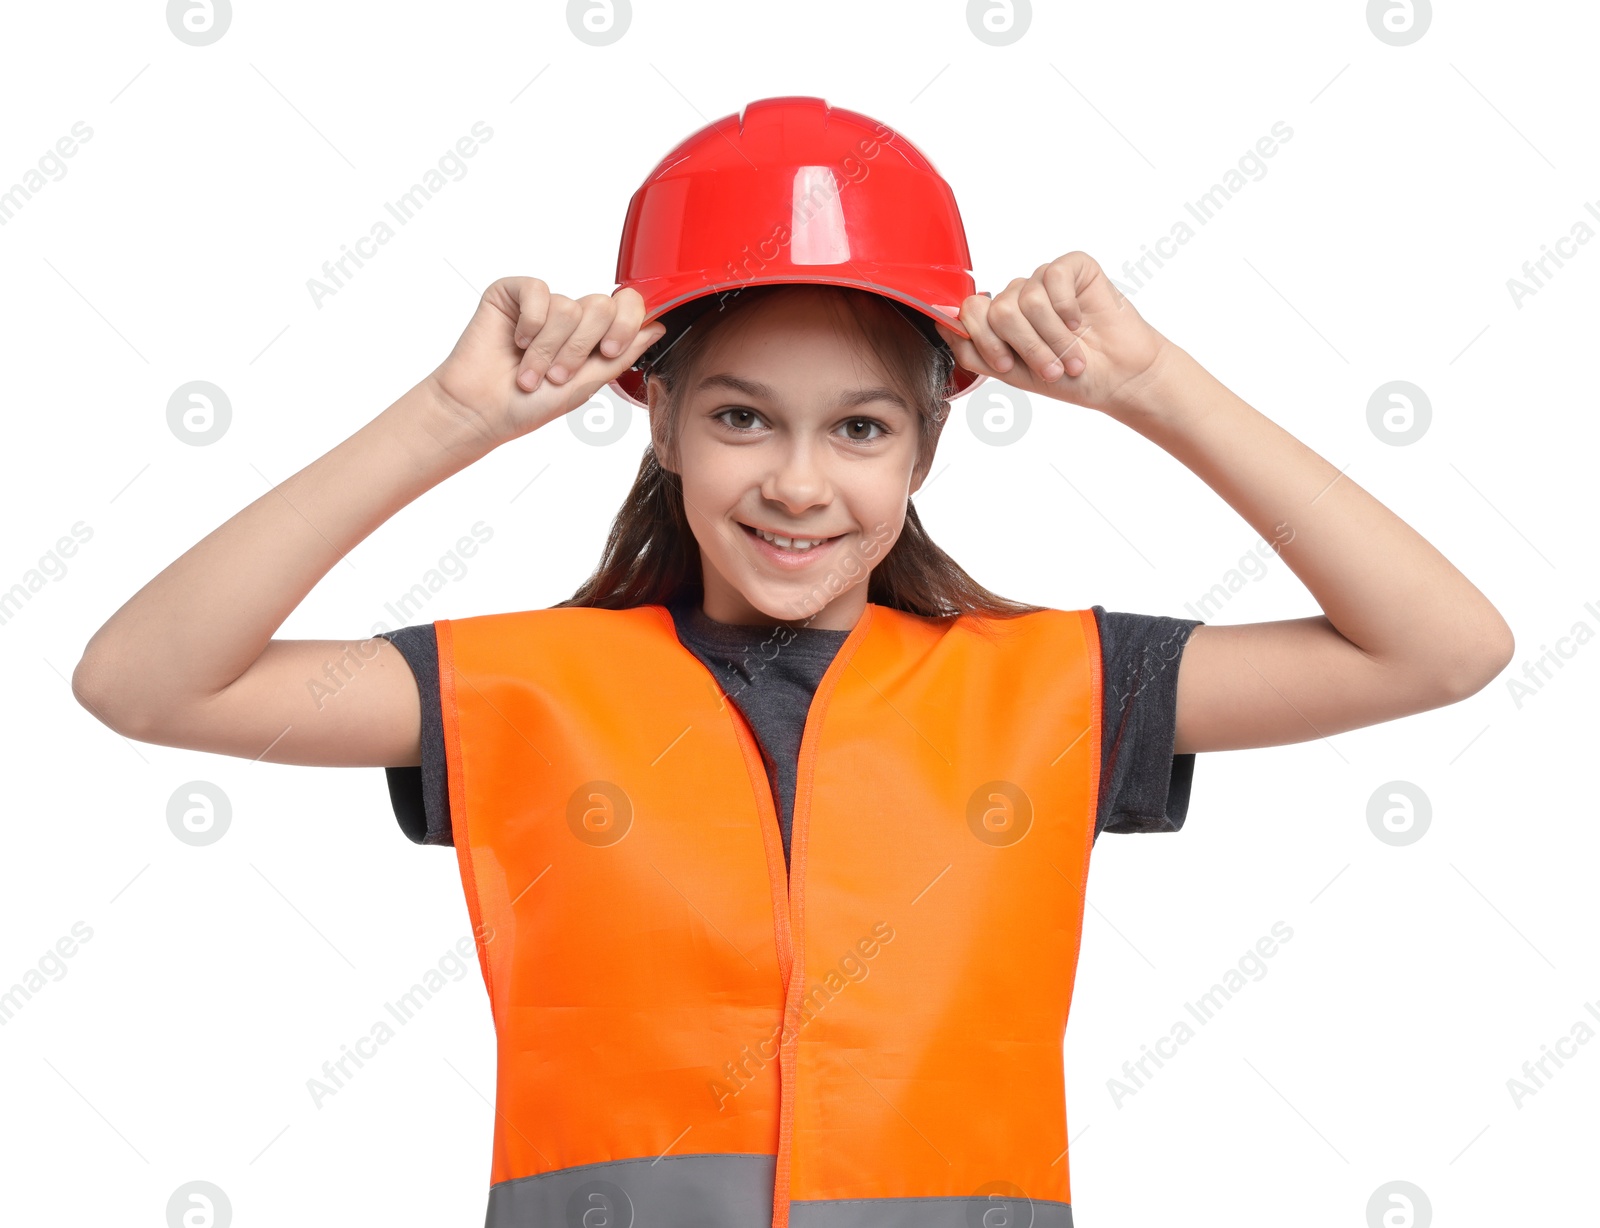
(883, 493)
(710, 490)
(879, 513)
(710, 497)
(879, 536)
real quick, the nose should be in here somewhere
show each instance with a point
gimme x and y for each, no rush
(798, 480)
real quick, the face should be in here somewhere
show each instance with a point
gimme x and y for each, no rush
(791, 425)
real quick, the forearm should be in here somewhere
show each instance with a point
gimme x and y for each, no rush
(200, 623)
(1380, 583)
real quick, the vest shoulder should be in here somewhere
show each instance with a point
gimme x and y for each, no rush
(566, 623)
(1035, 620)
(1022, 633)
(572, 615)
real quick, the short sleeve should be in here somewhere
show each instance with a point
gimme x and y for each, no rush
(419, 795)
(1143, 785)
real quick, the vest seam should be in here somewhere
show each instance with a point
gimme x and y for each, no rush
(455, 771)
(1092, 656)
(771, 841)
(805, 777)
(1090, 632)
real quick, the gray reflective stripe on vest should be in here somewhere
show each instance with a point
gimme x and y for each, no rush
(730, 1191)
(704, 1191)
(929, 1213)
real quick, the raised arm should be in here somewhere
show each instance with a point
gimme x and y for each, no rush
(189, 660)
(1401, 629)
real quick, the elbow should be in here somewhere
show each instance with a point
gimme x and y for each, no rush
(89, 689)
(1478, 660)
(93, 686)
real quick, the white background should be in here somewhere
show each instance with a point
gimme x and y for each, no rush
(178, 246)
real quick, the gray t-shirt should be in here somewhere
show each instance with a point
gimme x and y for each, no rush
(770, 673)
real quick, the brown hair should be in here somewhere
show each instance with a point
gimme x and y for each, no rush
(651, 555)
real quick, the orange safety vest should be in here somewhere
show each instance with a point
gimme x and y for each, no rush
(686, 1034)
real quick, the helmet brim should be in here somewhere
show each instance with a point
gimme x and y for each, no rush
(678, 310)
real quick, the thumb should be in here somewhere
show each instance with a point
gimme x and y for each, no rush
(598, 370)
(965, 353)
(642, 341)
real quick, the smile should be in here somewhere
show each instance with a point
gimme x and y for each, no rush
(789, 549)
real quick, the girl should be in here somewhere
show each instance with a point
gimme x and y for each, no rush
(807, 955)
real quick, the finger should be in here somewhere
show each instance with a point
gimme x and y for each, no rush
(561, 317)
(1060, 284)
(597, 370)
(603, 370)
(1047, 306)
(1061, 281)
(533, 304)
(962, 350)
(995, 353)
(1012, 326)
(625, 326)
(598, 312)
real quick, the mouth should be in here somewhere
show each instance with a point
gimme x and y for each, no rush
(787, 551)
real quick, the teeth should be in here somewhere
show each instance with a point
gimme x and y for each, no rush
(789, 543)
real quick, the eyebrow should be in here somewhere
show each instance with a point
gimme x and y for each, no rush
(762, 392)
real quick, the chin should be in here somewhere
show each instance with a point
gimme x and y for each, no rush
(784, 602)
(779, 604)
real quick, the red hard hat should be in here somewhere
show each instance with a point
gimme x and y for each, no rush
(793, 190)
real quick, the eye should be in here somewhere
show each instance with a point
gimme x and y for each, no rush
(868, 422)
(722, 416)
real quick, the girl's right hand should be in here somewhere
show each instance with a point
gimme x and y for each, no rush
(528, 356)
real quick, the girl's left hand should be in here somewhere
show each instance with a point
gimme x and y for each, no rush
(1066, 332)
